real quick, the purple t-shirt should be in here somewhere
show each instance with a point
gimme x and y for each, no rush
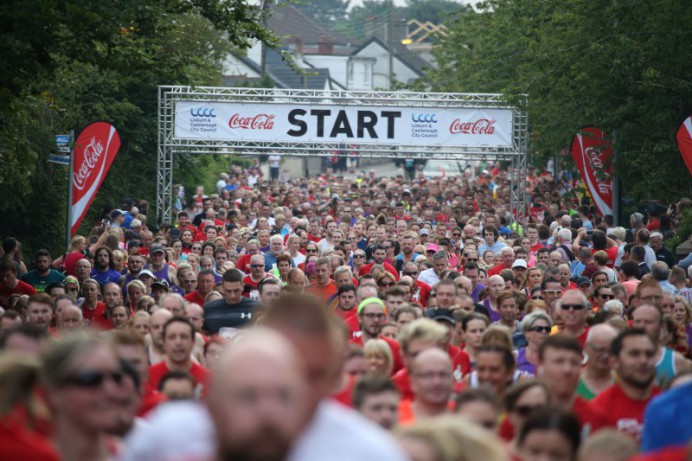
(523, 364)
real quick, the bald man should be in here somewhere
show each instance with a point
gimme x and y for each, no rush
(597, 376)
(266, 366)
(70, 319)
(432, 384)
(258, 404)
(155, 338)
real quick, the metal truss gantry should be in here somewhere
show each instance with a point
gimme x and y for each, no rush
(169, 146)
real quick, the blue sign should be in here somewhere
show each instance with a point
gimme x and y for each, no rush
(59, 159)
(62, 139)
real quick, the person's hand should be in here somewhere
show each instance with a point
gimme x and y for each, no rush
(581, 232)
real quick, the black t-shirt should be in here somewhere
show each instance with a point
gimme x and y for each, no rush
(219, 314)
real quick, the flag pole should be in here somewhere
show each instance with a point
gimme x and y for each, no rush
(70, 178)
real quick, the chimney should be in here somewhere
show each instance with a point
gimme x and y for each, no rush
(325, 45)
(295, 45)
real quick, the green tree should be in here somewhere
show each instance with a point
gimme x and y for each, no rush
(622, 66)
(328, 12)
(72, 62)
(435, 11)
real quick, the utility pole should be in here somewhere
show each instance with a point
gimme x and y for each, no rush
(390, 42)
(263, 64)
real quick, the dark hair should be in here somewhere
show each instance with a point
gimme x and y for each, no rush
(8, 265)
(638, 253)
(474, 316)
(546, 419)
(507, 355)
(491, 229)
(516, 390)
(559, 341)
(179, 319)
(616, 345)
(233, 275)
(28, 330)
(176, 374)
(205, 272)
(267, 281)
(302, 314)
(475, 395)
(41, 252)
(369, 385)
(547, 281)
(599, 240)
(630, 268)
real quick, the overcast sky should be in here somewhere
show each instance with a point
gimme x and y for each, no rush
(403, 2)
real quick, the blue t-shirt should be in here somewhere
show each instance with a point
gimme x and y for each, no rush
(103, 278)
(668, 420)
(39, 282)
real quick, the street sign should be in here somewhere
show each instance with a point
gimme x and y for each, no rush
(64, 149)
(59, 159)
(62, 139)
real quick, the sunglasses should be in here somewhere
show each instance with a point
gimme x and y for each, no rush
(537, 297)
(472, 260)
(386, 285)
(256, 266)
(358, 256)
(526, 410)
(311, 251)
(411, 274)
(456, 235)
(94, 378)
(539, 329)
(552, 292)
(572, 307)
(607, 296)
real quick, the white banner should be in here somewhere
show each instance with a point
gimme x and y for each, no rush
(397, 126)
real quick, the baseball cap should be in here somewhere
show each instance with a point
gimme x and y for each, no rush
(424, 232)
(161, 283)
(156, 248)
(441, 315)
(116, 213)
(432, 247)
(519, 263)
(147, 272)
(581, 281)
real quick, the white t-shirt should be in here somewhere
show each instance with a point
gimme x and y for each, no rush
(429, 276)
(337, 433)
(274, 161)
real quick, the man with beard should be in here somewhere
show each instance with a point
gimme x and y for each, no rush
(371, 318)
(379, 252)
(263, 366)
(104, 270)
(633, 355)
(407, 254)
(42, 275)
(178, 342)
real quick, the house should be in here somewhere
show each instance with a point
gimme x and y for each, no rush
(328, 60)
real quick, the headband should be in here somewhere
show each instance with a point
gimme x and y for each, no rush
(373, 300)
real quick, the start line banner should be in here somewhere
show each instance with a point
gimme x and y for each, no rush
(385, 125)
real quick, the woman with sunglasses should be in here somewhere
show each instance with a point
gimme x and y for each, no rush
(519, 401)
(385, 280)
(536, 327)
(81, 379)
(358, 261)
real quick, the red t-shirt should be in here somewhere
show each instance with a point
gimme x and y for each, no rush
(157, 372)
(422, 293)
(612, 253)
(623, 412)
(344, 396)
(194, 297)
(497, 269)
(244, 263)
(250, 288)
(90, 315)
(69, 264)
(314, 238)
(403, 383)
(20, 444)
(101, 322)
(388, 267)
(393, 345)
(323, 293)
(22, 288)
(150, 400)
(591, 418)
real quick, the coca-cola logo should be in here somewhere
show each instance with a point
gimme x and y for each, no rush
(257, 122)
(93, 153)
(602, 180)
(480, 126)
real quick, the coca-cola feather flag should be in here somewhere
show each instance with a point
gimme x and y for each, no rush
(684, 139)
(592, 153)
(94, 152)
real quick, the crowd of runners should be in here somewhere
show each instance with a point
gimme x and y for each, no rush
(375, 318)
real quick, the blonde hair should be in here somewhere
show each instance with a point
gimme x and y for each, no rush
(610, 444)
(422, 329)
(498, 335)
(379, 347)
(76, 241)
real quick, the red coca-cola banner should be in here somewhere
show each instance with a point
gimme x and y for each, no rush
(94, 152)
(684, 139)
(592, 153)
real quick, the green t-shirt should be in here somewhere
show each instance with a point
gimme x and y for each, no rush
(39, 282)
(584, 391)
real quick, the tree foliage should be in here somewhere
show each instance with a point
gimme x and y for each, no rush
(72, 62)
(620, 65)
(328, 12)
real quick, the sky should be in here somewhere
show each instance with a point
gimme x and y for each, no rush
(403, 2)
